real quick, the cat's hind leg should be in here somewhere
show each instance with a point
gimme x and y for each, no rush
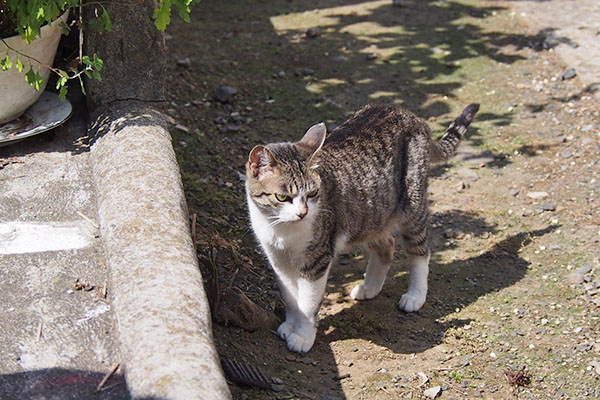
(416, 246)
(381, 255)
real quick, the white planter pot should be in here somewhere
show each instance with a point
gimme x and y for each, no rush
(16, 95)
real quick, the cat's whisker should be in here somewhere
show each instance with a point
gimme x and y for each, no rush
(276, 222)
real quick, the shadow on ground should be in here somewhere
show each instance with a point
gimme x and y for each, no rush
(62, 384)
(292, 67)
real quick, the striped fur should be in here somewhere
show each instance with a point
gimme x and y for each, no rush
(358, 186)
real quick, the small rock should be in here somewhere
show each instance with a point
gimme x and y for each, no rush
(277, 381)
(584, 269)
(460, 186)
(537, 195)
(341, 377)
(184, 62)
(224, 94)
(313, 33)
(433, 392)
(308, 71)
(340, 58)
(465, 361)
(568, 74)
(371, 56)
(514, 192)
(584, 347)
(596, 365)
(566, 154)
(468, 173)
(449, 233)
(575, 278)
(586, 128)
(277, 388)
(307, 361)
(548, 207)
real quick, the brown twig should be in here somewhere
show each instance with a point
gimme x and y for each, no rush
(39, 331)
(82, 215)
(12, 177)
(107, 376)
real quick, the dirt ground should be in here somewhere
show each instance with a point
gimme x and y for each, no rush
(515, 275)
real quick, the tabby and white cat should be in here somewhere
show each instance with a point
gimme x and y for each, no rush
(365, 181)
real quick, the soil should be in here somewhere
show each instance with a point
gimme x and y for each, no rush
(514, 306)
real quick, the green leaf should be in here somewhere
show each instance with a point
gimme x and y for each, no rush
(63, 93)
(162, 15)
(34, 78)
(64, 28)
(103, 23)
(106, 19)
(184, 7)
(82, 87)
(5, 63)
(19, 65)
(62, 73)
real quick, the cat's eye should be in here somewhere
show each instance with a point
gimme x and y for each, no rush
(282, 197)
(312, 193)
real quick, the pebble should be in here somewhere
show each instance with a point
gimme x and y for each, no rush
(313, 33)
(465, 361)
(467, 173)
(308, 71)
(584, 347)
(570, 73)
(371, 56)
(184, 62)
(340, 58)
(460, 186)
(514, 192)
(224, 94)
(537, 195)
(566, 154)
(277, 388)
(548, 207)
(433, 392)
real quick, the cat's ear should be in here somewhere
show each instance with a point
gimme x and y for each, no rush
(260, 161)
(312, 140)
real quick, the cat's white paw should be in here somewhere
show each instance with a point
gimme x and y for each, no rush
(301, 341)
(285, 330)
(411, 302)
(361, 292)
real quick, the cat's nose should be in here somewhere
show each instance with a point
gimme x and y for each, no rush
(302, 213)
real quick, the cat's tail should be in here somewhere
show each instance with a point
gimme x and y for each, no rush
(444, 148)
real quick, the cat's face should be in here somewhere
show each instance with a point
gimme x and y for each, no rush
(282, 179)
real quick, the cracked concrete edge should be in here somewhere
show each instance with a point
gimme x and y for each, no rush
(160, 306)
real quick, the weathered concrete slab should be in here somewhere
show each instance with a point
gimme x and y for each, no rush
(163, 318)
(57, 339)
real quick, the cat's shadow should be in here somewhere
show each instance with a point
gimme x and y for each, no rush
(452, 286)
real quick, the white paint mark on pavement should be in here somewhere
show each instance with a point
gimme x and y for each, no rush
(101, 309)
(32, 237)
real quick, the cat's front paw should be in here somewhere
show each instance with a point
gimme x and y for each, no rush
(411, 302)
(362, 292)
(285, 330)
(301, 341)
